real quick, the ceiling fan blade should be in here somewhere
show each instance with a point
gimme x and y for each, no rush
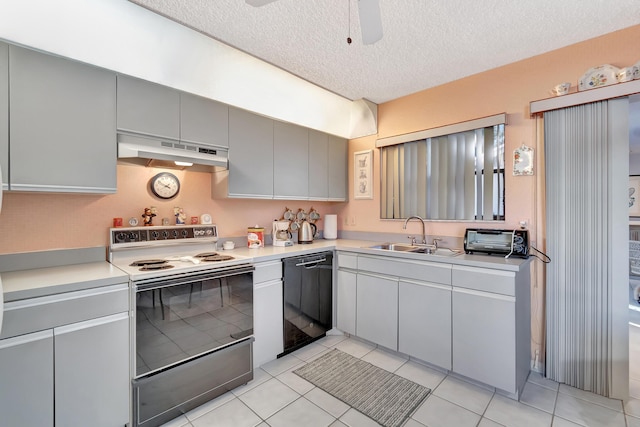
(370, 20)
(258, 3)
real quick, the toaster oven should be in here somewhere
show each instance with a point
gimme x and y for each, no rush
(497, 242)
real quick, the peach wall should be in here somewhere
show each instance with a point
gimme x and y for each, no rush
(507, 89)
(40, 221)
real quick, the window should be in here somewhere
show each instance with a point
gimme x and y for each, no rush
(456, 176)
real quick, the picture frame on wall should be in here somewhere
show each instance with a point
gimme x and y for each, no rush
(634, 195)
(363, 175)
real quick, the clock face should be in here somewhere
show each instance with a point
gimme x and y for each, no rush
(165, 185)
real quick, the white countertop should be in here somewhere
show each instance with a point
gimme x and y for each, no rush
(364, 247)
(38, 282)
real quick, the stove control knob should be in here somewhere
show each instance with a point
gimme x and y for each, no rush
(209, 232)
(175, 234)
(185, 234)
(132, 236)
(165, 234)
(155, 235)
(121, 237)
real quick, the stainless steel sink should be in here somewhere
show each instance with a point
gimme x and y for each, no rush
(402, 247)
(421, 249)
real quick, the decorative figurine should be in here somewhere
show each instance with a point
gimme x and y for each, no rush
(181, 217)
(147, 217)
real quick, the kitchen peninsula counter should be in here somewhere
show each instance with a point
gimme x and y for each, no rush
(38, 282)
(39, 274)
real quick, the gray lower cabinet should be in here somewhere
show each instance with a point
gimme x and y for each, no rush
(484, 337)
(66, 358)
(26, 370)
(91, 374)
(290, 161)
(148, 108)
(62, 124)
(268, 320)
(473, 321)
(491, 326)
(424, 322)
(377, 310)
(250, 155)
(346, 289)
(4, 115)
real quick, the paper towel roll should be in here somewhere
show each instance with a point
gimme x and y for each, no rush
(330, 227)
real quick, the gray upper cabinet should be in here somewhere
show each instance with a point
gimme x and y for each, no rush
(337, 169)
(158, 111)
(290, 161)
(4, 114)
(250, 155)
(318, 165)
(148, 108)
(203, 120)
(62, 124)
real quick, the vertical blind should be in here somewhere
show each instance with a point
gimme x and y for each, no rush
(457, 176)
(583, 206)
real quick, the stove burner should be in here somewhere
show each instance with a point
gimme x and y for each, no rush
(153, 267)
(145, 262)
(217, 257)
(206, 254)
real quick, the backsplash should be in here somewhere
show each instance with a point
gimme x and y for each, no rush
(42, 221)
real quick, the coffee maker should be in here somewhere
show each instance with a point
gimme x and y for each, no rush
(281, 234)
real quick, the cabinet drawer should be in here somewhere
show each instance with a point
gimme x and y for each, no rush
(418, 270)
(483, 279)
(267, 271)
(347, 260)
(36, 314)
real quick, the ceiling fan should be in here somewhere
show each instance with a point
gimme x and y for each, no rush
(370, 21)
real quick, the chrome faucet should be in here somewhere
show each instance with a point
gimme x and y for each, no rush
(435, 242)
(424, 236)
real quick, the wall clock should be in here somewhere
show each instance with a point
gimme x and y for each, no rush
(165, 185)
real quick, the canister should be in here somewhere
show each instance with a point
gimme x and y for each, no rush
(255, 237)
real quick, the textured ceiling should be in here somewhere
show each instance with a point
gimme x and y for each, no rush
(426, 43)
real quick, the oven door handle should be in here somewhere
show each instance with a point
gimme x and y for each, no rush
(186, 278)
(311, 264)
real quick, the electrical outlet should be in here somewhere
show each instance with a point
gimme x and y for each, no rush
(346, 220)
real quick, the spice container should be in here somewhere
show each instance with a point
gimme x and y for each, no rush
(255, 237)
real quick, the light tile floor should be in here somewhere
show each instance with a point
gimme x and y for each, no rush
(278, 398)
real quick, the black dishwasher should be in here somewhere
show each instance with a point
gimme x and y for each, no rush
(307, 299)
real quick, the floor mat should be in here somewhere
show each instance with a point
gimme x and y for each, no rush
(385, 397)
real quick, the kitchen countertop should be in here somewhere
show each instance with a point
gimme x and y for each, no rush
(37, 282)
(363, 247)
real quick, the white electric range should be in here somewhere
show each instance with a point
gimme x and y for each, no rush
(193, 309)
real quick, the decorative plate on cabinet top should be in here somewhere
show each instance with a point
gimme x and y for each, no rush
(603, 75)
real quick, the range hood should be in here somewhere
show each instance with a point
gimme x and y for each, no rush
(165, 153)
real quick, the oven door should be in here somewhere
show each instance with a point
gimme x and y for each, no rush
(183, 317)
